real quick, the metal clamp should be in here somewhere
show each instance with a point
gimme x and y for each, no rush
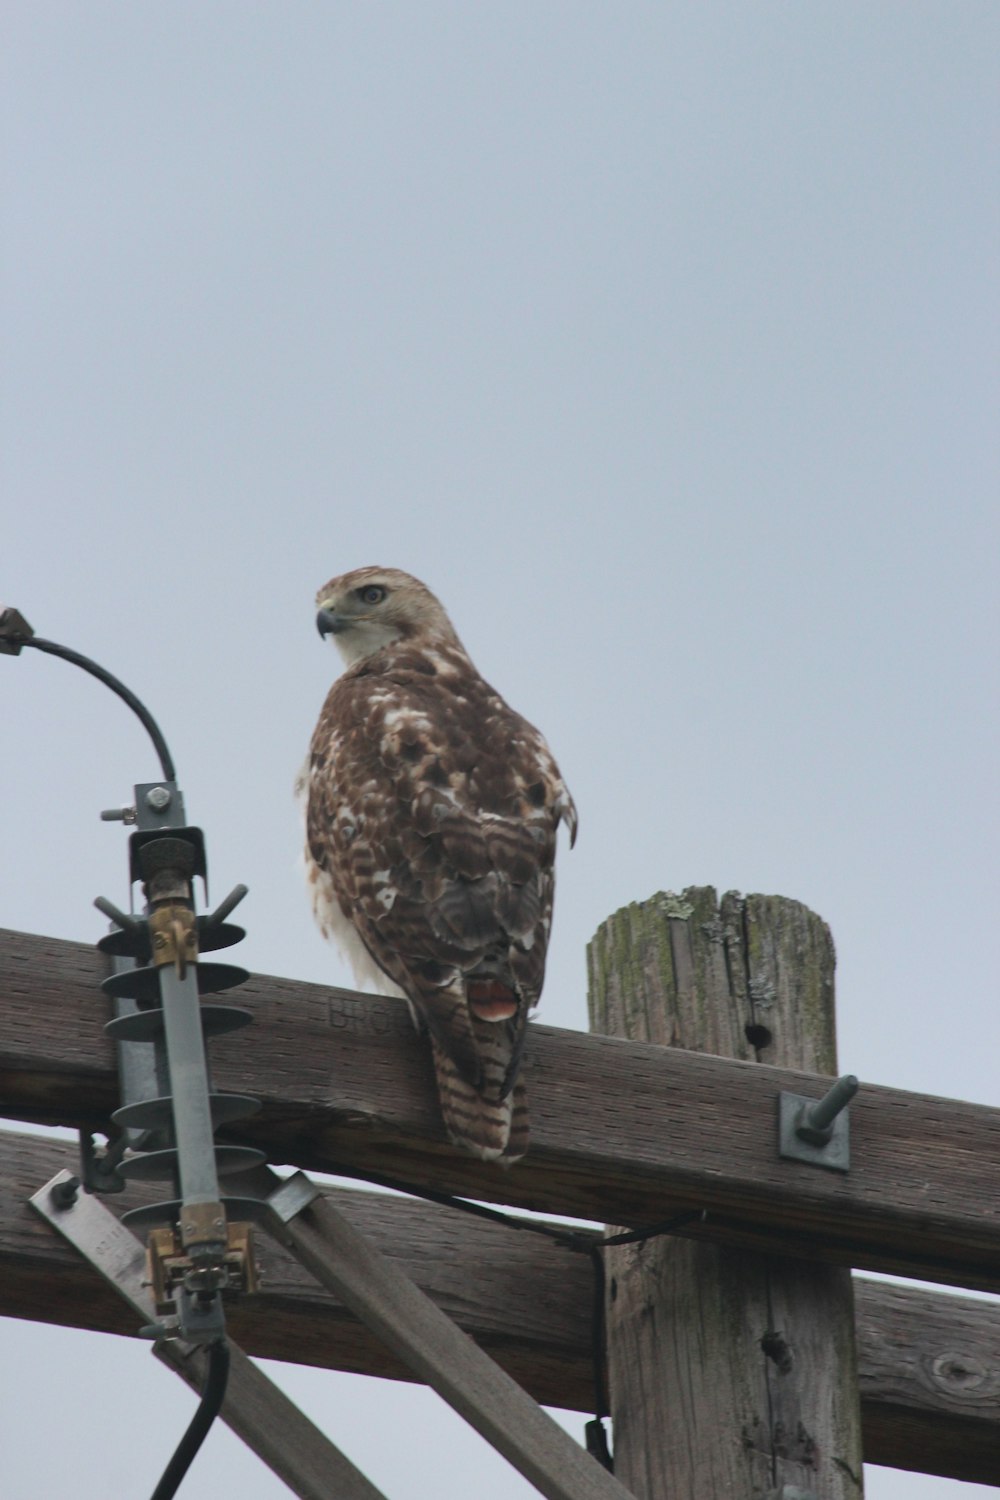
(817, 1131)
(169, 1267)
(174, 934)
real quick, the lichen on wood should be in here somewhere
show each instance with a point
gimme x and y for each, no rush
(701, 1405)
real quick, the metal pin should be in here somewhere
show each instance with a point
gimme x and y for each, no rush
(167, 1329)
(118, 815)
(120, 918)
(816, 1122)
(221, 912)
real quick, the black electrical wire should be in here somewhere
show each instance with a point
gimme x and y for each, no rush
(563, 1234)
(52, 648)
(595, 1433)
(212, 1398)
(596, 1436)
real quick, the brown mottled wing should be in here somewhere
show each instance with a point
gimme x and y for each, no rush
(433, 807)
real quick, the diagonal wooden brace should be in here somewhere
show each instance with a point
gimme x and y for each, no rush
(436, 1350)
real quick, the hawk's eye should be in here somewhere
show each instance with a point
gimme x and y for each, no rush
(372, 593)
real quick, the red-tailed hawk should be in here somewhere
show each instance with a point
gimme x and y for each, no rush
(431, 817)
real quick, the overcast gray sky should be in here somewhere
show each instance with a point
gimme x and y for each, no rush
(661, 341)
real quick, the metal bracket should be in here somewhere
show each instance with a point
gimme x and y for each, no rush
(117, 1254)
(173, 933)
(100, 1238)
(169, 1267)
(159, 806)
(294, 1194)
(817, 1131)
(14, 631)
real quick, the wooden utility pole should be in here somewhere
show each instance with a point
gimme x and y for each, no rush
(731, 1372)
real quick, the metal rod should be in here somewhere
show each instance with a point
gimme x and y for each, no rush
(221, 912)
(121, 918)
(199, 1183)
(820, 1116)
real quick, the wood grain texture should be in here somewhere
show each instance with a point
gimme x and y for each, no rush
(730, 1373)
(622, 1132)
(438, 1352)
(929, 1372)
(929, 1362)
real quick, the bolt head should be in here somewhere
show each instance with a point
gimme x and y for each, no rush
(158, 798)
(64, 1194)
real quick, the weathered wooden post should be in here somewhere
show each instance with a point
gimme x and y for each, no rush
(731, 1373)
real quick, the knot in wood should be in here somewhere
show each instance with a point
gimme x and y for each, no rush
(957, 1373)
(775, 1347)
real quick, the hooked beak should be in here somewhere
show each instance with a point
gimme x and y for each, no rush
(327, 623)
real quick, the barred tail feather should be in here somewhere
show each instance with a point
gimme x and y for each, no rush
(482, 1120)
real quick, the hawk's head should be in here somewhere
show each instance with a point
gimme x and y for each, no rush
(371, 607)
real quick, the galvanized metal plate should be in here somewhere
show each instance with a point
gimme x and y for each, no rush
(293, 1195)
(835, 1156)
(103, 1239)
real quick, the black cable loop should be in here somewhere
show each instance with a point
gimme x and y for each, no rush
(212, 1397)
(52, 648)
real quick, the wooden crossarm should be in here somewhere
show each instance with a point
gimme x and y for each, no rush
(929, 1362)
(623, 1132)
